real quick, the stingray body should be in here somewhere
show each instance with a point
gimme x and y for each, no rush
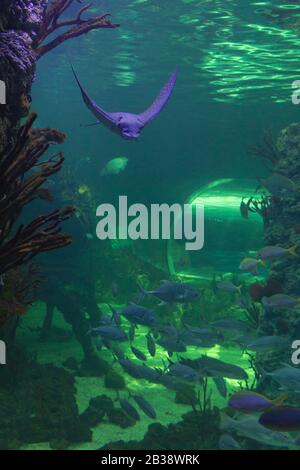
(128, 125)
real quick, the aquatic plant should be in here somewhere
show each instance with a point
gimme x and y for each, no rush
(256, 374)
(78, 26)
(267, 149)
(264, 207)
(201, 400)
(253, 314)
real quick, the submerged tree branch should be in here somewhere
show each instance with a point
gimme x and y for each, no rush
(78, 25)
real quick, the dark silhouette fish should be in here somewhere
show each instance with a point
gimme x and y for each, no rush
(130, 368)
(212, 367)
(145, 406)
(151, 345)
(129, 410)
(138, 354)
(128, 125)
(116, 316)
(139, 315)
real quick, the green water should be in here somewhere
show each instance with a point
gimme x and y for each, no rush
(236, 69)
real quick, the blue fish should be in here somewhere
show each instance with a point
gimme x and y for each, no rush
(173, 292)
(139, 315)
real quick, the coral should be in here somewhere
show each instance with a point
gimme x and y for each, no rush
(16, 191)
(77, 26)
(23, 14)
(257, 291)
(16, 51)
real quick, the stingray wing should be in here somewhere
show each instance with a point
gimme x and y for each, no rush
(108, 119)
(161, 99)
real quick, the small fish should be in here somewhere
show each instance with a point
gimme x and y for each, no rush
(150, 374)
(248, 401)
(145, 406)
(115, 166)
(212, 367)
(275, 252)
(287, 376)
(139, 315)
(229, 287)
(168, 330)
(130, 368)
(131, 333)
(251, 264)
(117, 352)
(172, 345)
(278, 185)
(173, 292)
(279, 301)
(105, 320)
(83, 189)
(138, 354)
(202, 337)
(220, 383)
(129, 409)
(227, 442)
(282, 419)
(111, 333)
(268, 343)
(151, 345)
(231, 324)
(250, 427)
(116, 316)
(245, 339)
(183, 372)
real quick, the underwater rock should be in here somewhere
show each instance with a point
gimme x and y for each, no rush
(195, 432)
(114, 380)
(102, 403)
(45, 418)
(92, 416)
(71, 363)
(93, 366)
(186, 396)
(118, 417)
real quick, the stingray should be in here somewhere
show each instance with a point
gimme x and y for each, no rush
(128, 125)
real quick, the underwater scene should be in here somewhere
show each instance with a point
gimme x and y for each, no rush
(149, 225)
